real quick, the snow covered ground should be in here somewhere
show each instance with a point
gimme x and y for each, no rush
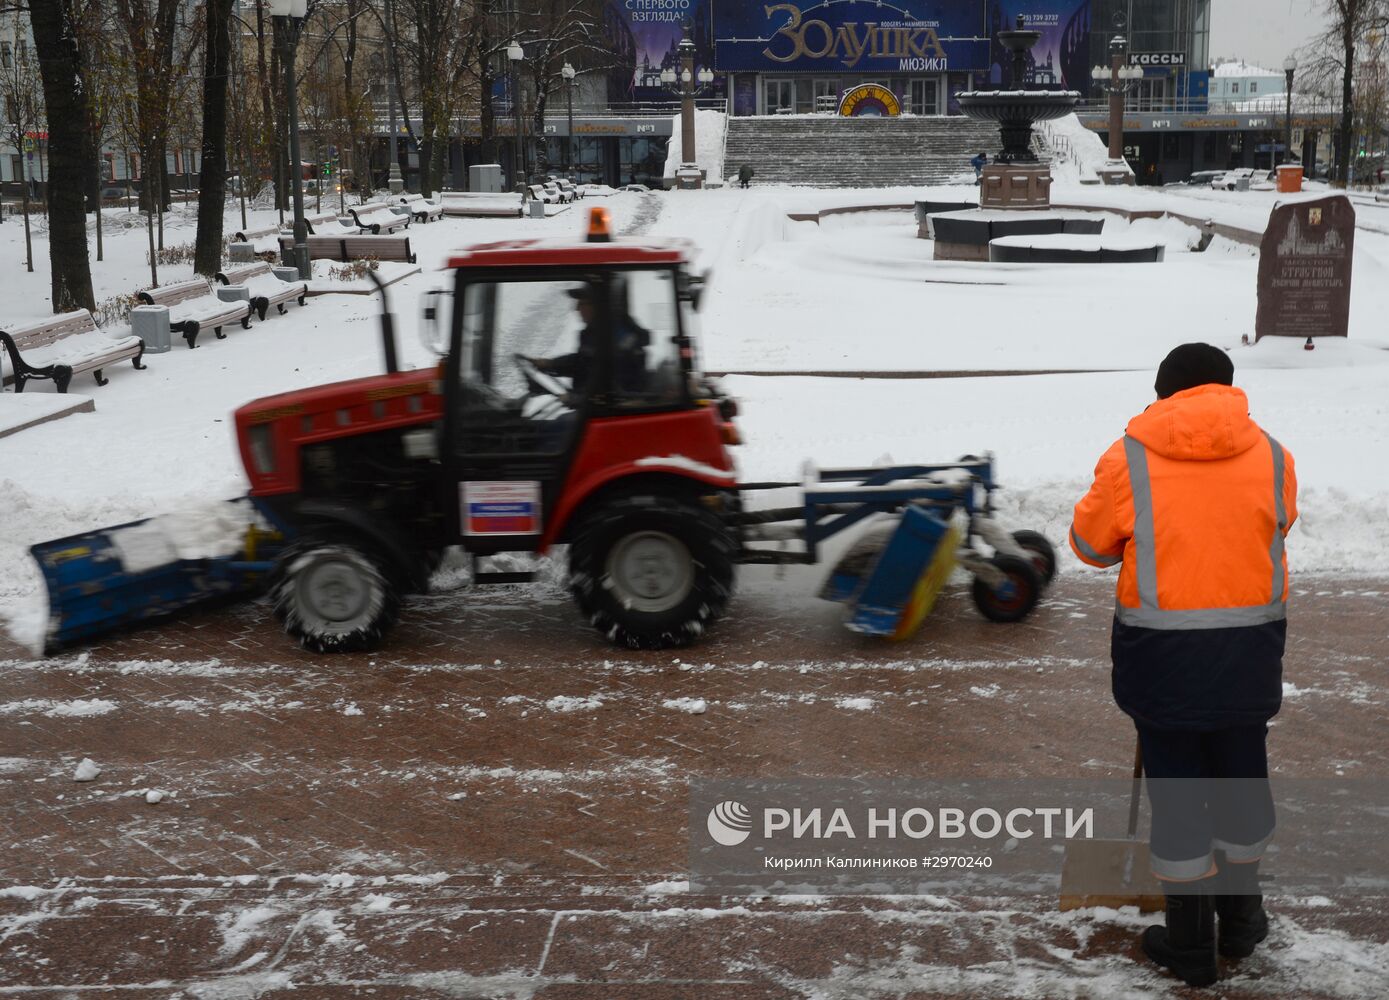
(856, 293)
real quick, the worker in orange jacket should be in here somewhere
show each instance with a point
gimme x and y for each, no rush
(1193, 503)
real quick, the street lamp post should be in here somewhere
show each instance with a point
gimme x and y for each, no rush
(515, 54)
(1289, 69)
(568, 73)
(687, 83)
(394, 181)
(290, 15)
(1115, 80)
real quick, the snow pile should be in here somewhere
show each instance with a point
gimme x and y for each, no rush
(86, 771)
(568, 703)
(691, 706)
(710, 127)
(212, 531)
(1077, 152)
(79, 708)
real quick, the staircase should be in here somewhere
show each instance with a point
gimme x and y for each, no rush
(829, 151)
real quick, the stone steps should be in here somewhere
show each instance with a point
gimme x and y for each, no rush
(825, 151)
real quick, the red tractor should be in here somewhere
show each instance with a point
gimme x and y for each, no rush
(624, 456)
(605, 438)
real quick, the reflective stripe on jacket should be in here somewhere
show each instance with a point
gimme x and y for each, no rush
(1194, 501)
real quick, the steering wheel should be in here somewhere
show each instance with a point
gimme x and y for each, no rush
(541, 383)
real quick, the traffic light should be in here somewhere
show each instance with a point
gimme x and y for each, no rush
(328, 169)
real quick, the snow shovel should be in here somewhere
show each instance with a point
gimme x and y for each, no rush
(1112, 872)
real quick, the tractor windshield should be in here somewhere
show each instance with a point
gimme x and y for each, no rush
(614, 333)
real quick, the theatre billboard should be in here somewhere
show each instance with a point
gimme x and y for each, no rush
(859, 36)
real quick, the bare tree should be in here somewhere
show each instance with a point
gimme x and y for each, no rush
(1333, 55)
(212, 193)
(55, 29)
(556, 32)
(21, 90)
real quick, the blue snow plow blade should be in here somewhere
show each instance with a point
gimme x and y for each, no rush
(123, 575)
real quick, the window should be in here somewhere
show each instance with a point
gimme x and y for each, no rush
(646, 354)
(1253, 86)
(1234, 88)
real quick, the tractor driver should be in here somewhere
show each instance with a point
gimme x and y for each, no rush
(630, 341)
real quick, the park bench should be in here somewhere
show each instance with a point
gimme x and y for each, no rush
(539, 193)
(266, 289)
(193, 306)
(481, 205)
(359, 247)
(567, 187)
(378, 218)
(561, 196)
(421, 209)
(63, 346)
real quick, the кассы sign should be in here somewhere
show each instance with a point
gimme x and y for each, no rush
(1157, 58)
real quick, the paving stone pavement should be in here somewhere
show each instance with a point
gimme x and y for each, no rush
(494, 804)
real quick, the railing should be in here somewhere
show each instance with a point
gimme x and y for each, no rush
(1270, 105)
(615, 109)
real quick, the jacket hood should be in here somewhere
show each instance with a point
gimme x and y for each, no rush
(1206, 423)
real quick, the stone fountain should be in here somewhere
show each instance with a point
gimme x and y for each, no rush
(1016, 179)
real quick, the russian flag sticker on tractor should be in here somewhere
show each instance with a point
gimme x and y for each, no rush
(501, 508)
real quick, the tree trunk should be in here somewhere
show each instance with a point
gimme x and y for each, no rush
(1347, 100)
(55, 42)
(542, 145)
(207, 256)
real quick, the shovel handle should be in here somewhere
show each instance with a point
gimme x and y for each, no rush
(1137, 787)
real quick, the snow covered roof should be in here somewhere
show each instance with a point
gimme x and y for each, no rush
(1237, 67)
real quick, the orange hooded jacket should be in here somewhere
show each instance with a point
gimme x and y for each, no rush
(1194, 501)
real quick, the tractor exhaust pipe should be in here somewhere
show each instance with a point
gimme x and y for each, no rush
(387, 325)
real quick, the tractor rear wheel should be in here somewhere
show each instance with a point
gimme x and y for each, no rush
(1018, 595)
(334, 595)
(651, 572)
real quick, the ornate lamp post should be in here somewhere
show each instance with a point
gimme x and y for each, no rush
(289, 15)
(567, 71)
(515, 54)
(686, 84)
(1289, 69)
(1116, 80)
(394, 182)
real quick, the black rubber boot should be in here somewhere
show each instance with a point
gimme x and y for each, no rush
(1240, 907)
(1186, 945)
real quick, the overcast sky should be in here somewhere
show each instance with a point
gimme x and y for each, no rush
(1263, 31)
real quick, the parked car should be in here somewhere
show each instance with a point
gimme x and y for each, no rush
(1202, 178)
(1229, 180)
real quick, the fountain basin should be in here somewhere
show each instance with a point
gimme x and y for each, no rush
(1073, 248)
(966, 235)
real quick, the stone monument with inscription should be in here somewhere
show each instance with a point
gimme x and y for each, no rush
(1304, 269)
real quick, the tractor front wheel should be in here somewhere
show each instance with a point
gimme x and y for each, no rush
(334, 594)
(651, 572)
(1015, 598)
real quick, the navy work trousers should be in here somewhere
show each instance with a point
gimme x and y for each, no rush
(1209, 792)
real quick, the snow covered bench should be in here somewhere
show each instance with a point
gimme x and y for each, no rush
(538, 192)
(266, 289)
(378, 218)
(567, 187)
(421, 209)
(359, 247)
(474, 204)
(63, 346)
(193, 305)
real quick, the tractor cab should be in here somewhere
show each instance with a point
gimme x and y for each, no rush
(569, 367)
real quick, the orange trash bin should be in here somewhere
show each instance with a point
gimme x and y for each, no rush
(1289, 178)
